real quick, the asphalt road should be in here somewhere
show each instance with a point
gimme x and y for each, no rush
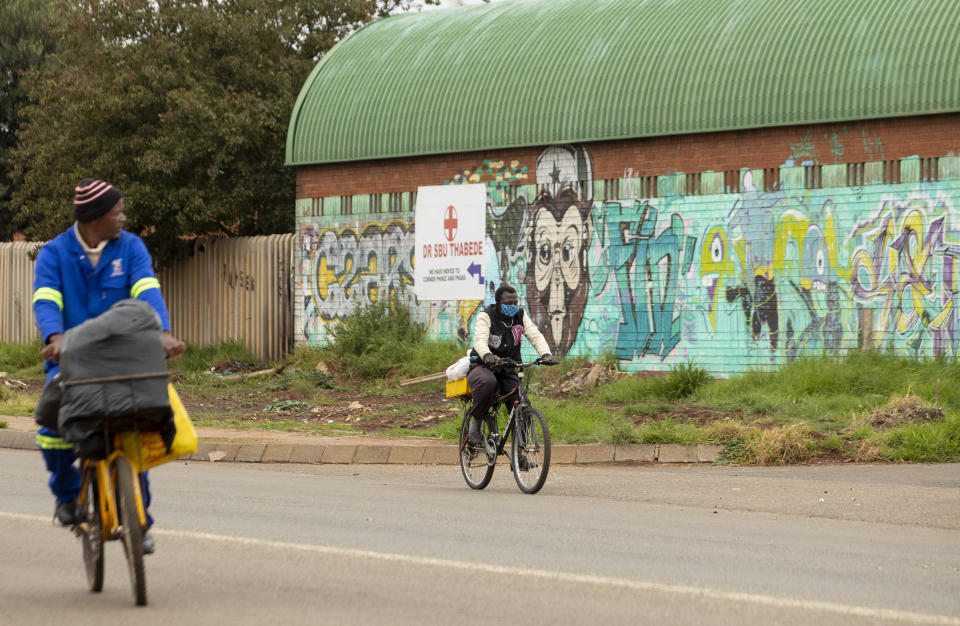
(295, 544)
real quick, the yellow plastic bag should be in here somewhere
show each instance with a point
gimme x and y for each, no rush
(145, 448)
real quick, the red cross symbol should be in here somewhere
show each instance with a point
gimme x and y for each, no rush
(450, 223)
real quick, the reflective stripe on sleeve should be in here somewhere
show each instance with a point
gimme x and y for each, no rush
(142, 285)
(46, 293)
(52, 443)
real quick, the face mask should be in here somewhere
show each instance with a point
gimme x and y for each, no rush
(509, 309)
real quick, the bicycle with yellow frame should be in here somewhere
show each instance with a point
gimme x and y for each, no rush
(112, 508)
(111, 501)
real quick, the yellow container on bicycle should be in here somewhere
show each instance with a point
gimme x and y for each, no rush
(458, 388)
(146, 449)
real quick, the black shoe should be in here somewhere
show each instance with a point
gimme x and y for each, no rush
(68, 513)
(149, 547)
(473, 434)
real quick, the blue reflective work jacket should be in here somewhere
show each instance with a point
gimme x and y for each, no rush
(68, 291)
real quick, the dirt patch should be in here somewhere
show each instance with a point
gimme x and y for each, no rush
(364, 413)
(698, 415)
(584, 379)
(909, 409)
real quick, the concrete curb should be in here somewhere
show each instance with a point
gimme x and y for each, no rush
(432, 454)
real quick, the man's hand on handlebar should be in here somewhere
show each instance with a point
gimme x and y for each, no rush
(491, 360)
(172, 346)
(52, 349)
(548, 359)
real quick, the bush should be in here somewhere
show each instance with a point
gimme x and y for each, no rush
(684, 380)
(375, 337)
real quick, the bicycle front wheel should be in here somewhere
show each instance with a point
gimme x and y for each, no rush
(531, 450)
(131, 532)
(91, 530)
(475, 463)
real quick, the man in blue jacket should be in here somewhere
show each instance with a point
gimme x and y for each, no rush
(79, 275)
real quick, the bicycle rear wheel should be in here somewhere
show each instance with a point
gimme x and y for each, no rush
(474, 461)
(530, 445)
(130, 530)
(91, 530)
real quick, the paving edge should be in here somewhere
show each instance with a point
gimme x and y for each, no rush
(428, 454)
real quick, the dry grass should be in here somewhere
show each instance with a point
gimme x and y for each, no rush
(907, 409)
(781, 446)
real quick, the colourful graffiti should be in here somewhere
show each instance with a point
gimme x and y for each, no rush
(905, 261)
(730, 281)
(352, 267)
(647, 267)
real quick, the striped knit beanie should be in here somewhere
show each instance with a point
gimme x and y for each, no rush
(93, 198)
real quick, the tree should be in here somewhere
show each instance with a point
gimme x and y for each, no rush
(24, 42)
(182, 104)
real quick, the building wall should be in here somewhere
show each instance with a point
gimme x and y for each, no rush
(732, 250)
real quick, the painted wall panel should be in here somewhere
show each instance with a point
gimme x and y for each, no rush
(729, 281)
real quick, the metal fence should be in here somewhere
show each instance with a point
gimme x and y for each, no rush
(234, 289)
(16, 292)
(224, 289)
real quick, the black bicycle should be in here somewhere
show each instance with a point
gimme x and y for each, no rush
(526, 429)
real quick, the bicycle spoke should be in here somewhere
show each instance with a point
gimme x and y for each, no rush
(474, 460)
(531, 450)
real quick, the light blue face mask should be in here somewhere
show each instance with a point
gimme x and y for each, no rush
(509, 309)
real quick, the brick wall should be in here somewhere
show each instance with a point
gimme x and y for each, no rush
(850, 142)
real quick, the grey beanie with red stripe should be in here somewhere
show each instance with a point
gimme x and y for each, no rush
(93, 198)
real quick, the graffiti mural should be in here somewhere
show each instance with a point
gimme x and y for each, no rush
(905, 262)
(351, 267)
(728, 280)
(647, 267)
(559, 232)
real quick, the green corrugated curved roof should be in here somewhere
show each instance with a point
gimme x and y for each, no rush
(536, 72)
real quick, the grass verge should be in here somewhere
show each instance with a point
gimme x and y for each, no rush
(808, 410)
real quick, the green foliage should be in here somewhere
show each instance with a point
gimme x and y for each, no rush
(24, 44)
(572, 422)
(286, 405)
(670, 431)
(684, 380)
(629, 390)
(183, 105)
(430, 356)
(935, 442)
(826, 392)
(18, 358)
(201, 358)
(375, 338)
(305, 382)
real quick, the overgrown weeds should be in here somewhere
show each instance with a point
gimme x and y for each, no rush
(21, 360)
(374, 338)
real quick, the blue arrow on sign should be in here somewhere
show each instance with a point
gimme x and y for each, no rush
(474, 269)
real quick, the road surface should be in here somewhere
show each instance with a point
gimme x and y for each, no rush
(298, 544)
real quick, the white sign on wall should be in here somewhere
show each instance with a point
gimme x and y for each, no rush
(450, 231)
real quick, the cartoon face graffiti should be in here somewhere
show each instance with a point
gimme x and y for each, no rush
(556, 268)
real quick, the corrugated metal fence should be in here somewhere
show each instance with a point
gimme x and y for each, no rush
(16, 292)
(234, 289)
(224, 289)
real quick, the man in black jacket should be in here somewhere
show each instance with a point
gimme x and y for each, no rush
(497, 336)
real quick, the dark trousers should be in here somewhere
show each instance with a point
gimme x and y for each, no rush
(484, 384)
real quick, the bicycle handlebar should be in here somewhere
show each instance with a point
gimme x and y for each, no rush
(505, 362)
